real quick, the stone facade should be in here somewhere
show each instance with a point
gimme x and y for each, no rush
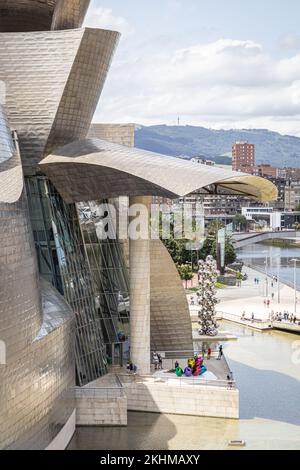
(100, 407)
(194, 400)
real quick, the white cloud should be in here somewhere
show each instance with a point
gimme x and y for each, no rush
(226, 83)
(99, 17)
(290, 41)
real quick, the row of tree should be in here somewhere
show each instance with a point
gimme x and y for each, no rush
(187, 259)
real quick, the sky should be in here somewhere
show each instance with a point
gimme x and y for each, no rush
(220, 63)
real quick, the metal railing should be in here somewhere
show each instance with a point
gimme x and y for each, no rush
(180, 381)
(244, 321)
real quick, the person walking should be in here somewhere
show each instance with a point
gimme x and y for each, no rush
(220, 352)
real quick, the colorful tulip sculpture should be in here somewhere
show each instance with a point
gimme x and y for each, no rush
(194, 367)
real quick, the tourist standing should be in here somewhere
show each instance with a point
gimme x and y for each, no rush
(220, 352)
(160, 361)
(209, 353)
(155, 360)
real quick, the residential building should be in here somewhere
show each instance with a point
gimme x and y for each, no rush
(292, 195)
(243, 157)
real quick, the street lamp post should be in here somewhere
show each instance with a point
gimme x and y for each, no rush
(267, 284)
(278, 280)
(295, 260)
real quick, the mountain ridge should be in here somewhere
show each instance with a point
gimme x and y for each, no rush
(190, 141)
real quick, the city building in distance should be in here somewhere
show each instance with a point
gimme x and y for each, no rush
(243, 157)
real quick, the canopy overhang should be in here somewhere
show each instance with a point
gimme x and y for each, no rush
(90, 169)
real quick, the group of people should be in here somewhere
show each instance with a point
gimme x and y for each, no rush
(157, 361)
(286, 316)
(267, 302)
(243, 317)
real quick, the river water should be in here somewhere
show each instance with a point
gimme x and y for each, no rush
(258, 253)
(266, 367)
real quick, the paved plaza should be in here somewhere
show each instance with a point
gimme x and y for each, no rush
(250, 297)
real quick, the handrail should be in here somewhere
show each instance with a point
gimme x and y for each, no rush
(230, 384)
(238, 318)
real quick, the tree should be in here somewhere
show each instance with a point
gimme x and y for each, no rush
(179, 253)
(207, 300)
(230, 253)
(214, 226)
(240, 222)
(185, 272)
(210, 249)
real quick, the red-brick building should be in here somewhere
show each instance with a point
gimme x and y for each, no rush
(243, 157)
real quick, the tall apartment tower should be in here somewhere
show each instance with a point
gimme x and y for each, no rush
(243, 157)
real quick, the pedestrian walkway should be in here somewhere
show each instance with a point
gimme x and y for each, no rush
(251, 298)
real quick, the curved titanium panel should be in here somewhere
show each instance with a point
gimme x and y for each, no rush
(70, 14)
(26, 15)
(20, 308)
(171, 327)
(36, 388)
(54, 80)
(11, 174)
(37, 331)
(88, 169)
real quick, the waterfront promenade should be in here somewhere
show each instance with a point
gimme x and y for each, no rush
(250, 299)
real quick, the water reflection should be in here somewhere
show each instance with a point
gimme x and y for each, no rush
(269, 384)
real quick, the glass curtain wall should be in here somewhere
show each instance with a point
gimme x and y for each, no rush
(110, 278)
(62, 260)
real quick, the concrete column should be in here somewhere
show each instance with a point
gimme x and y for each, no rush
(139, 260)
